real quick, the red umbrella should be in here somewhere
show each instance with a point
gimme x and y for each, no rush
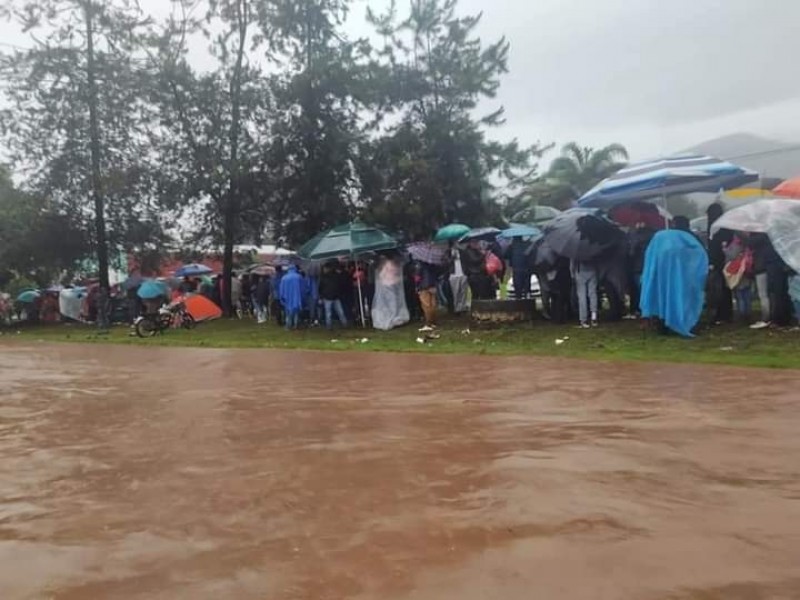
(789, 189)
(631, 214)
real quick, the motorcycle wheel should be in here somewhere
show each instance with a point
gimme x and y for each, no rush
(146, 328)
(188, 322)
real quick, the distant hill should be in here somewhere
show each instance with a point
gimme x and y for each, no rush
(769, 157)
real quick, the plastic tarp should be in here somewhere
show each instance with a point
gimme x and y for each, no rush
(674, 280)
(389, 308)
(70, 303)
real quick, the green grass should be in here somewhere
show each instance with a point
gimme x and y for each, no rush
(730, 345)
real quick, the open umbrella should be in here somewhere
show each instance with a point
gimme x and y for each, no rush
(263, 270)
(485, 234)
(631, 214)
(450, 232)
(350, 240)
(150, 290)
(779, 219)
(582, 234)
(521, 230)
(347, 240)
(788, 189)
(664, 177)
(193, 270)
(28, 297)
(428, 252)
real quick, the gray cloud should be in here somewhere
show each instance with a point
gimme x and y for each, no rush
(655, 75)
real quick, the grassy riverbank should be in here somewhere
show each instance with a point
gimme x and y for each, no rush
(733, 345)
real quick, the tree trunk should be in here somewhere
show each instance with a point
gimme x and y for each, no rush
(96, 183)
(232, 204)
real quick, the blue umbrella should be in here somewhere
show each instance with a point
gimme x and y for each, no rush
(149, 290)
(520, 230)
(193, 270)
(664, 177)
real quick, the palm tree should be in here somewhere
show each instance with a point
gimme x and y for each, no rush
(580, 168)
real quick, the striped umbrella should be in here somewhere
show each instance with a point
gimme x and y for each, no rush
(665, 177)
(428, 252)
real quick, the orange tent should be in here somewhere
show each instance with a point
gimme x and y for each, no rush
(789, 189)
(201, 308)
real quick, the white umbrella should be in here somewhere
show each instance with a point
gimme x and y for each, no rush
(779, 219)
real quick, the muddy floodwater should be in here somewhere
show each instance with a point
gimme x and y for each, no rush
(177, 474)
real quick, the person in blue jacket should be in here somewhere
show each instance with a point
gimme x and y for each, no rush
(291, 295)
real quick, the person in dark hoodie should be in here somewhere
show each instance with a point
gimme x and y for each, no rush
(275, 293)
(330, 292)
(720, 297)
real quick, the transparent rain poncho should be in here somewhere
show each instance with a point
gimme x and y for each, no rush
(389, 308)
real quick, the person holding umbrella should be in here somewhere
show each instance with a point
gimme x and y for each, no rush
(520, 267)
(720, 296)
(584, 274)
(425, 279)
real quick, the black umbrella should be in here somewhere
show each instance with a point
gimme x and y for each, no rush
(582, 234)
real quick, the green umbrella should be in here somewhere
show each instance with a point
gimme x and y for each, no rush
(451, 232)
(28, 297)
(347, 240)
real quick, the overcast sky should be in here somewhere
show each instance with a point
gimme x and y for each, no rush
(655, 75)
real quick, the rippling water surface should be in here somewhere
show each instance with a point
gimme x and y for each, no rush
(176, 474)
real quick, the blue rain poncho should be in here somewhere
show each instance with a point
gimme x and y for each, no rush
(674, 280)
(291, 291)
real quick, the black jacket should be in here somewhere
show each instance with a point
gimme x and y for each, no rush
(330, 286)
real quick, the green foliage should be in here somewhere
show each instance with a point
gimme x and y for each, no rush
(433, 163)
(37, 240)
(577, 170)
(81, 141)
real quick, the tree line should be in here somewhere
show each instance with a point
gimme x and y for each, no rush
(288, 127)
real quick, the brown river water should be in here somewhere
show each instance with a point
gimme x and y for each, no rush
(176, 474)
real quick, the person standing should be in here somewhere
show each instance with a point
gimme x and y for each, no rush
(426, 291)
(518, 257)
(760, 245)
(739, 274)
(720, 296)
(275, 293)
(330, 286)
(458, 281)
(585, 277)
(291, 296)
(262, 298)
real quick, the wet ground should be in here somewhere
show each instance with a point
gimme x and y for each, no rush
(172, 474)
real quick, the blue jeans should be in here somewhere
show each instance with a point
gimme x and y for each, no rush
(292, 319)
(744, 300)
(330, 307)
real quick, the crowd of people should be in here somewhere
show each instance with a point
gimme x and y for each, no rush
(745, 280)
(743, 270)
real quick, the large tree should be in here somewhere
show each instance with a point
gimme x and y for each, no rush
(75, 122)
(319, 92)
(215, 124)
(38, 241)
(431, 161)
